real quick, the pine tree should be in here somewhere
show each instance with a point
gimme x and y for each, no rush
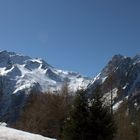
(101, 122)
(76, 125)
(109, 84)
(89, 120)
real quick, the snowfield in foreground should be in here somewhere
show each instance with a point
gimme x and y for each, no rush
(13, 134)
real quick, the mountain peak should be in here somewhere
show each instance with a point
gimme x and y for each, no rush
(5, 52)
(122, 75)
(118, 57)
(136, 58)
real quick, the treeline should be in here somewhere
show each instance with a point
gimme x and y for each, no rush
(45, 113)
(68, 116)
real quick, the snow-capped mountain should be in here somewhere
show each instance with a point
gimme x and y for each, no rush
(122, 75)
(19, 75)
(25, 73)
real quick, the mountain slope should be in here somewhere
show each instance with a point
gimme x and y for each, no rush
(27, 72)
(20, 75)
(122, 76)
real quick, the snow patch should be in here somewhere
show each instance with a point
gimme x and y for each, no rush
(103, 79)
(125, 86)
(96, 78)
(37, 60)
(116, 106)
(13, 134)
(107, 96)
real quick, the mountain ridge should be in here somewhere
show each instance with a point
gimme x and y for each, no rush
(122, 76)
(20, 65)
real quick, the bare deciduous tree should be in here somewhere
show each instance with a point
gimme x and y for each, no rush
(45, 113)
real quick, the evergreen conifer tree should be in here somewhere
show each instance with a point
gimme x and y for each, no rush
(101, 123)
(89, 120)
(76, 125)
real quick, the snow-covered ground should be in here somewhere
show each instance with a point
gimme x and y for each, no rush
(13, 134)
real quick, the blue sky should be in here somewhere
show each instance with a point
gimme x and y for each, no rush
(77, 35)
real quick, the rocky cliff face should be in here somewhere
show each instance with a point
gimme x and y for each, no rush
(122, 76)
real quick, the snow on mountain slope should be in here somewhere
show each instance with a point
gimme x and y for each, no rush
(26, 72)
(20, 75)
(13, 134)
(121, 73)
